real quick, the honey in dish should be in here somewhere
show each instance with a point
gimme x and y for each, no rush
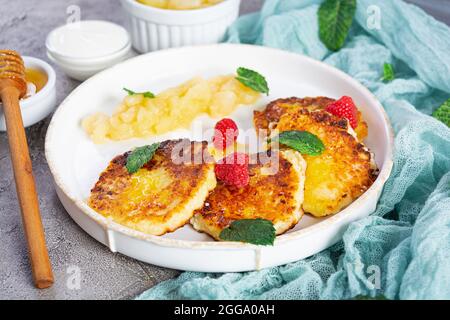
(37, 78)
(179, 4)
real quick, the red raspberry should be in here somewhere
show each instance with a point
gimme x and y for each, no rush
(233, 170)
(344, 108)
(225, 133)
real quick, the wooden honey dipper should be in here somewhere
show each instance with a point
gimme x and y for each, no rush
(13, 86)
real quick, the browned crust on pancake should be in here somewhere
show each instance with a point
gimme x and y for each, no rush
(275, 109)
(267, 118)
(107, 196)
(271, 197)
(345, 166)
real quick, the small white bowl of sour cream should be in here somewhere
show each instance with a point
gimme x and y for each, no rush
(84, 48)
(40, 99)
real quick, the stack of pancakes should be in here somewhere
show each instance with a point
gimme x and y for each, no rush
(166, 194)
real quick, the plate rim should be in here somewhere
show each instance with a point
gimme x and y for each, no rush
(109, 225)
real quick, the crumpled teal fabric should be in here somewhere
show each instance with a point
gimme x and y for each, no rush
(408, 236)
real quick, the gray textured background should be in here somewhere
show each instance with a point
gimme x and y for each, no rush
(24, 25)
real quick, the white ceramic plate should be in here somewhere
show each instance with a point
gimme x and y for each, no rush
(76, 162)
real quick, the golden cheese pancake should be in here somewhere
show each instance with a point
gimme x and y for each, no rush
(274, 193)
(162, 195)
(268, 118)
(343, 172)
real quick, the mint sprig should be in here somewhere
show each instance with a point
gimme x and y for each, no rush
(443, 113)
(140, 156)
(388, 72)
(253, 80)
(335, 20)
(302, 141)
(146, 94)
(256, 231)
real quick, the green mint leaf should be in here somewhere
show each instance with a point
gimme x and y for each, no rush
(335, 20)
(255, 231)
(146, 94)
(140, 156)
(388, 72)
(303, 142)
(443, 113)
(130, 92)
(253, 80)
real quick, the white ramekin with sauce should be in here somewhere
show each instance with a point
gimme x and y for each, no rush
(84, 48)
(40, 99)
(155, 29)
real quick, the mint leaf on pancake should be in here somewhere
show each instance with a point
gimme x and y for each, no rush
(140, 156)
(302, 141)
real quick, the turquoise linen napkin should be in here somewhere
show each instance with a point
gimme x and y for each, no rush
(408, 236)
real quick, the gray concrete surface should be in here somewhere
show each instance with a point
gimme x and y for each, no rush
(24, 25)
